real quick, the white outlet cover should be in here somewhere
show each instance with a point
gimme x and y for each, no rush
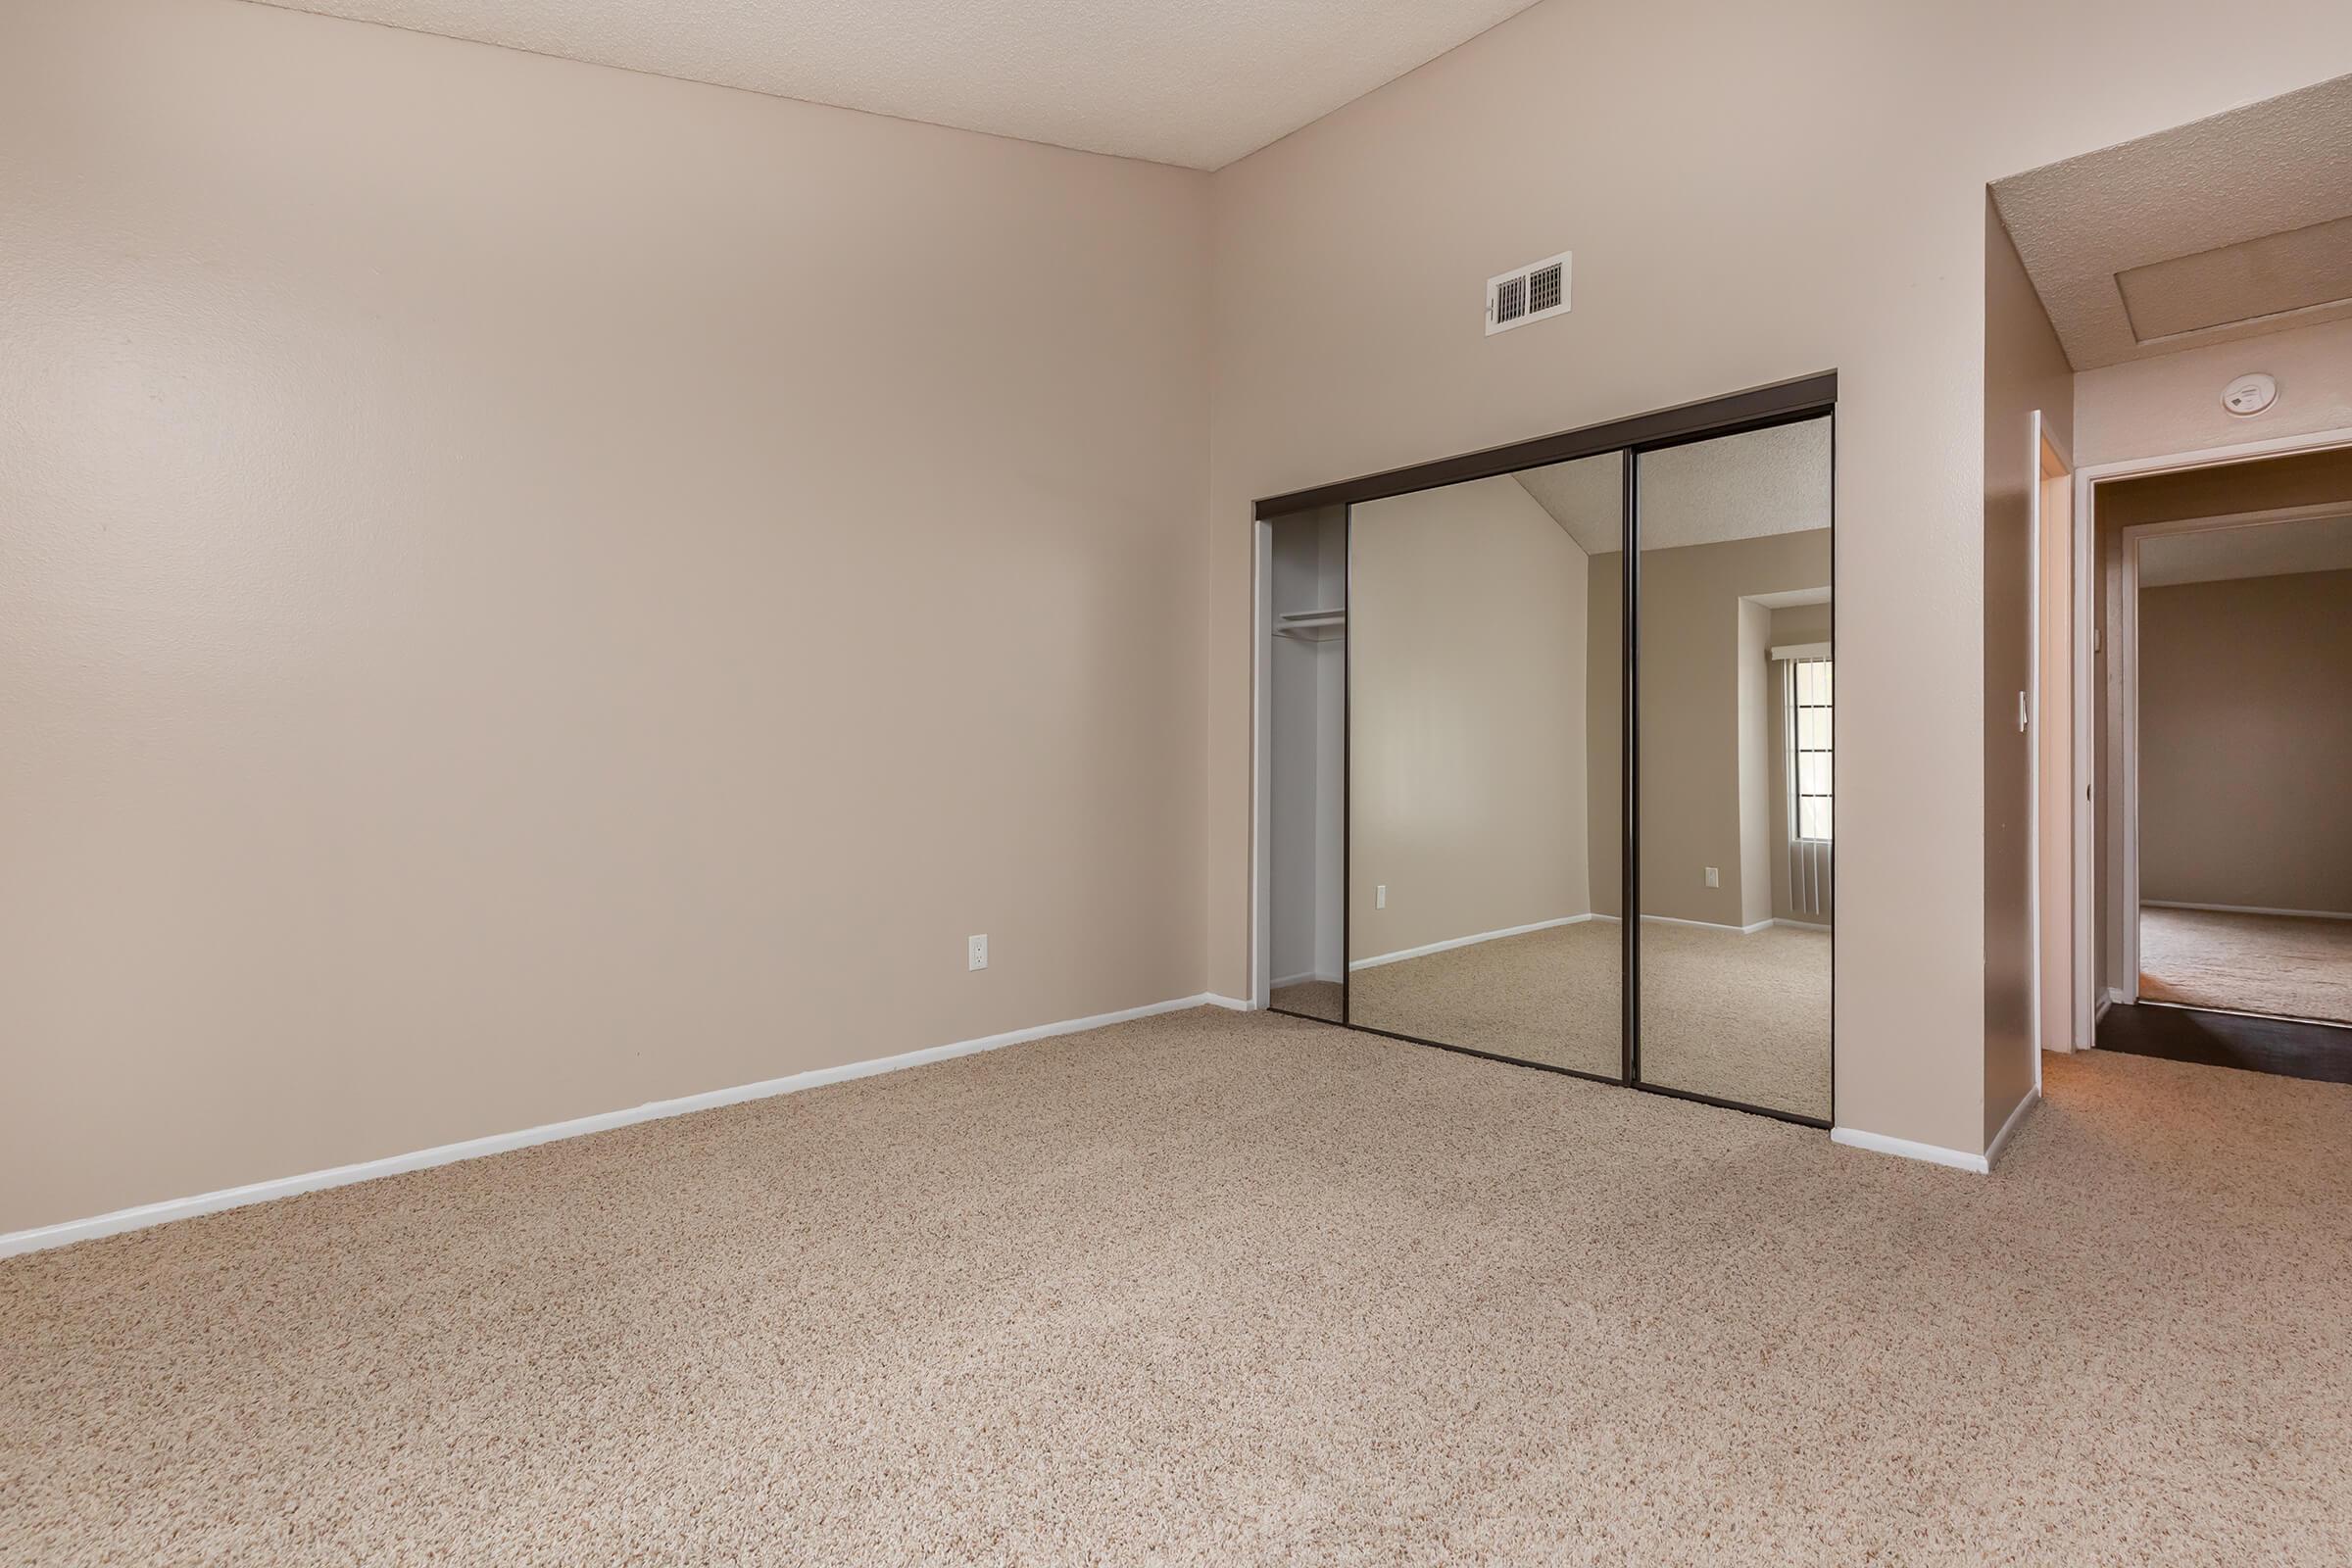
(976, 953)
(1380, 896)
(2249, 395)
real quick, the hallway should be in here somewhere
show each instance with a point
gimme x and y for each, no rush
(2284, 966)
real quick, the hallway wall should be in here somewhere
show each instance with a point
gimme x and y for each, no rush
(2246, 741)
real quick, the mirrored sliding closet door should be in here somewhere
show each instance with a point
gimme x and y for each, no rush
(1483, 825)
(1734, 741)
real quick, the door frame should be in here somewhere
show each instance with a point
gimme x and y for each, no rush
(2052, 467)
(2127, 647)
(2090, 998)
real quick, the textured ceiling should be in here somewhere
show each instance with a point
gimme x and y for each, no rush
(1197, 82)
(1584, 497)
(2272, 549)
(2222, 230)
(1739, 487)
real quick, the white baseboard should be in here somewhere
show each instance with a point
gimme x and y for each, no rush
(2001, 1139)
(1709, 925)
(1229, 1003)
(1806, 925)
(2240, 1012)
(2246, 909)
(1279, 981)
(1904, 1147)
(1402, 953)
(66, 1231)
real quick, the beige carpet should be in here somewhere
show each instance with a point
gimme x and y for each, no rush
(1313, 998)
(1234, 1290)
(2283, 964)
(1738, 1017)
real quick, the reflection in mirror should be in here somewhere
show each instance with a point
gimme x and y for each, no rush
(1307, 694)
(1482, 663)
(1735, 740)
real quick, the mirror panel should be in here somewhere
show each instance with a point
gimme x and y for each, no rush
(1484, 694)
(1736, 762)
(1306, 804)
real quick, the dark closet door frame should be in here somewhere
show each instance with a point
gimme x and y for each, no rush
(1791, 402)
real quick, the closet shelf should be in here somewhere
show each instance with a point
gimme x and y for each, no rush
(1312, 625)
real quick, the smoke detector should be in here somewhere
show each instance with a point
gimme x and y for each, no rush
(2249, 395)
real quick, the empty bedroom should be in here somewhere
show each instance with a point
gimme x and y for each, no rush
(1339, 781)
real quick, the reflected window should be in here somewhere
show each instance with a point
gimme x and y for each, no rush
(1809, 708)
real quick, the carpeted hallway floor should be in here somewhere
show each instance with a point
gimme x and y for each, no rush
(2289, 967)
(1743, 1017)
(1226, 1288)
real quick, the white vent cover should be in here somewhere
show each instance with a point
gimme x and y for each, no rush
(1529, 293)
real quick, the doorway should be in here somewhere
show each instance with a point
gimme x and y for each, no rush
(2226, 893)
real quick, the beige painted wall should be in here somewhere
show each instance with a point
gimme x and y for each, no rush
(1704, 675)
(1466, 719)
(498, 629)
(1760, 842)
(2246, 741)
(1604, 728)
(1696, 682)
(2154, 407)
(1712, 255)
(2025, 371)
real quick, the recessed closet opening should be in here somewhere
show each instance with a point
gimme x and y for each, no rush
(1506, 698)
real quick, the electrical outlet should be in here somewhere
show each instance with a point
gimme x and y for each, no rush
(977, 955)
(1380, 896)
(1714, 877)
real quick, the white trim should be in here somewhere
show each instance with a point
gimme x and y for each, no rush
(2240, 1012)
(2106, 1000)
(1795, 651)
(2247, 908)
(1229, 1003)
(2001, 1139)
(1261, 772)
(2091, 713)
(2039, 435)
(2091, 710)
(1301, 979)
(1806, 925)
(1714, 925)
(1402, 953)
(1904, 1147)
(66, 1231)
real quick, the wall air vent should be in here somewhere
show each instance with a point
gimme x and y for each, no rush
(1528, 294)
